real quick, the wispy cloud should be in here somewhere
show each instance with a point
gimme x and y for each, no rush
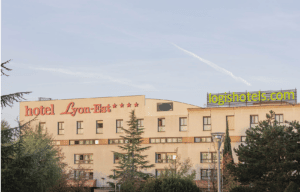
(216, 67)
(122, 81)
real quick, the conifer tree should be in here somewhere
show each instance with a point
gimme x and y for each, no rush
(132, 163)
(9, 99)
(270, 158)
(227, 143)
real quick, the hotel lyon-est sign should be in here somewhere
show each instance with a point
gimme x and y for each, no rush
(72, 110)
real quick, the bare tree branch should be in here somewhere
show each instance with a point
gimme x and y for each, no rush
(4, 67)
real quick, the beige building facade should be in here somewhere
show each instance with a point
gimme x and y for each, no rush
(88, 130)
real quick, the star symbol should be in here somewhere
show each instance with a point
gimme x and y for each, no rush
(114, 105)
(121, 105)
(136, 104)
(128, 105)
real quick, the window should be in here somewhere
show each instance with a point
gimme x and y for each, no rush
(161, 125)
(210, 157)
(166, 140)
(99, 127)
(279, 118)
(253, 120)
(165, 157)
(117, 141)
(79, 127)
(83, 158)
(61, 129)
(159, 172)
(83, 173)
(119, 126)
(206, 124)
(140, 123)
(203, 139)
(118, 157)
(83, 142)
(182, 124)
(209, 174)
(42, 126)
(164, 106)
(243, 138)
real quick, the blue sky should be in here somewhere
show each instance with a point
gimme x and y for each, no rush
(80, 49)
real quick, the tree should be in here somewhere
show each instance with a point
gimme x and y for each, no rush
(228, 179)
(132, 162)
(179, 169)
(35, 165)
(227, 143)
(9, 99)
(270, 157)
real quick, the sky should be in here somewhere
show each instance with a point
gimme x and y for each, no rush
(174, 50)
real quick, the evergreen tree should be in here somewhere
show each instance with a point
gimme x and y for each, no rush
(227, 143)
(132, 162)
(9, 99)
(270, 158)
(228, 179)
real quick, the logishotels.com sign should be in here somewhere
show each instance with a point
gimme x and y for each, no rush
(252, 98)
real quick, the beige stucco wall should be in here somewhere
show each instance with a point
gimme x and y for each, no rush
(147, 110)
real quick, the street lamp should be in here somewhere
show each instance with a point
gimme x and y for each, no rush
(218, 138)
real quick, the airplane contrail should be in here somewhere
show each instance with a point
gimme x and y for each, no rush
(216, 67)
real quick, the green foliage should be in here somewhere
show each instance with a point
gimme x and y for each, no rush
(32, 165)
(243, 189)
(179, 169)
(227, 143)
(170, 185)
(292, 187)
(132, 162)
(270, 157)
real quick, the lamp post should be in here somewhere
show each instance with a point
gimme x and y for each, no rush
(218, 139)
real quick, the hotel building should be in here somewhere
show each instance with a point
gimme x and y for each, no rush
(88, 130)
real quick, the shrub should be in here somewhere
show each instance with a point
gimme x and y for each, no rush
(170, 184)
(292, 187)
(243, 189)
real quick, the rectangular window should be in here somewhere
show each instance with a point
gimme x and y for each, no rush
(140, 123)
(83, 158)
(83, 142)
(42, 126)
(61, 129)
(79, 127)
(161, 125)
(99, 127)
(209, 174)
(165, 139)
(253, 120)
(279, 118)
(243, 138)
(206, 124)
(165, 157)
(203, 139)
(84, 174)
(117, 141)
(210, 157)
(116, 158)
(230, 122)
(182, 124)
(119, 126)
